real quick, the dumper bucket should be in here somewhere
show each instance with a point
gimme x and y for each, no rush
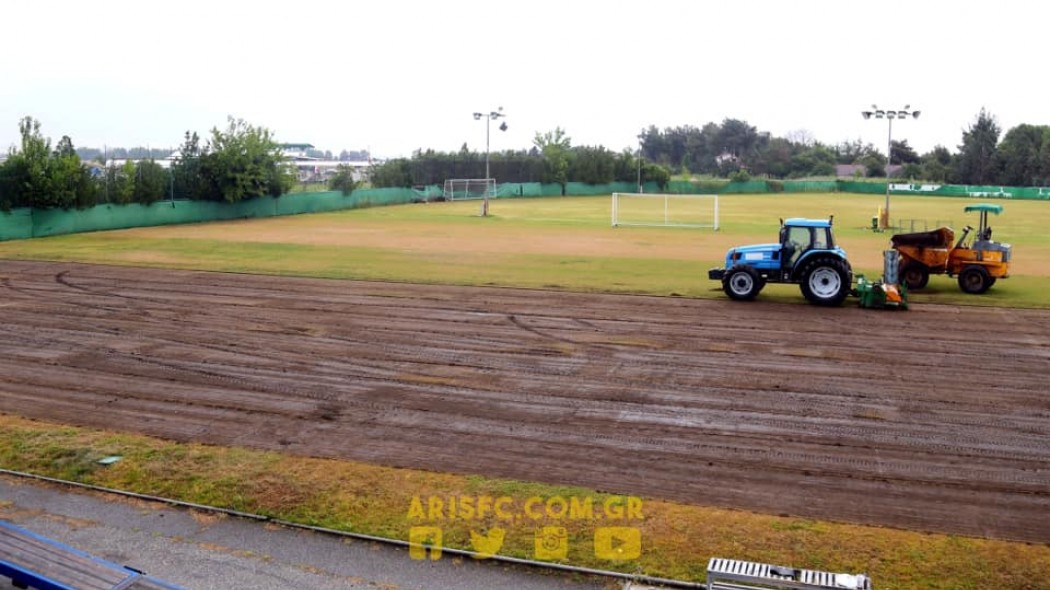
(938, 238)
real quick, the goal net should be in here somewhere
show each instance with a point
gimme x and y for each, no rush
(464, 189)
(665, 210)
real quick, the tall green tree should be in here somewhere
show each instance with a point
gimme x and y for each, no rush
(123, 183)
(555, 146)
(937, 165)
(29, 167)
(977, 163)
(775, 158)
(151, 182)
(816, 160)
(874, 164)
(65, 176)
(1021, 156)
(593, 165)
(737, 138)
(244, 162)
(903, 153)
(186, 171)
(850, 152)
(343, 180)
(390, 174)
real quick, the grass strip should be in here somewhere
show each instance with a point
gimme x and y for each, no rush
(676, 539)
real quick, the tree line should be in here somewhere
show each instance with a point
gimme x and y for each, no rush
(737, 150)
(552, 159)
(1022, 158)
(237, 163)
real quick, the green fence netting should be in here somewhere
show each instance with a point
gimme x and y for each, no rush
(509, 190)
(583, 190)
(16, 224)
(970, 190)
(689, 187)
(808, 186)
(864, 188)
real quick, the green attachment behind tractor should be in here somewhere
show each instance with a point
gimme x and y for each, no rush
(874, 295)
(887, 293)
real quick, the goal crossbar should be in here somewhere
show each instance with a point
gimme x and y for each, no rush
(665, 210)
(462, 189)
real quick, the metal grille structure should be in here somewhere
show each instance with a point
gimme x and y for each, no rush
(734, 574)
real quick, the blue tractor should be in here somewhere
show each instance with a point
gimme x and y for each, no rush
(806, 255)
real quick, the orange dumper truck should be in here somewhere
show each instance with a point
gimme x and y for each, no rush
(975, 258)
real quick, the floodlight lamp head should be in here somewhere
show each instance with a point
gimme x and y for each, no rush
(477, 116)
(880, 114)
(866, 114)
(915, 114)
(503, 126)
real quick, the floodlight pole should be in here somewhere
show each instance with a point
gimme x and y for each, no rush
(640, 189)
(884, 219)
(491, 116)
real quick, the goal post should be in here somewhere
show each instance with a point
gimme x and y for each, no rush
(468, 189)
(665, 210)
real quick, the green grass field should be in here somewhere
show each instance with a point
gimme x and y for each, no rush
(558, 243)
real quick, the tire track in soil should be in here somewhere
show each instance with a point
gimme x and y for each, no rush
(900, 419)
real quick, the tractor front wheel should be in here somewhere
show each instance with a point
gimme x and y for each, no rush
(915, 276)
(742, 283)
(974, 280)
(826, 281)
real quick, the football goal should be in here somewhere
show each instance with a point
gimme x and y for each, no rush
(465, 189)
(665, 210)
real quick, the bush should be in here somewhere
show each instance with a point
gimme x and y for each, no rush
(343, 180)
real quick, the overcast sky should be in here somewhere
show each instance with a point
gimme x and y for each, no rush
(396, 75)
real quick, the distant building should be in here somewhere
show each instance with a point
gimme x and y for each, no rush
(726, 157)
(297, 151)
(311, 169)
(162, 162)
(851, 170)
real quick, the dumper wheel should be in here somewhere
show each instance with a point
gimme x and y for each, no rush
(742, 283)
(826, 281)
(915, 276)
(974, 280)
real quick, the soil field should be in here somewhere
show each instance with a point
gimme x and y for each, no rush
(934, 419)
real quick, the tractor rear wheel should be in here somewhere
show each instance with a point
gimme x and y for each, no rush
(742, 283)
(826, 281)
(915, 275)
(974, 280)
